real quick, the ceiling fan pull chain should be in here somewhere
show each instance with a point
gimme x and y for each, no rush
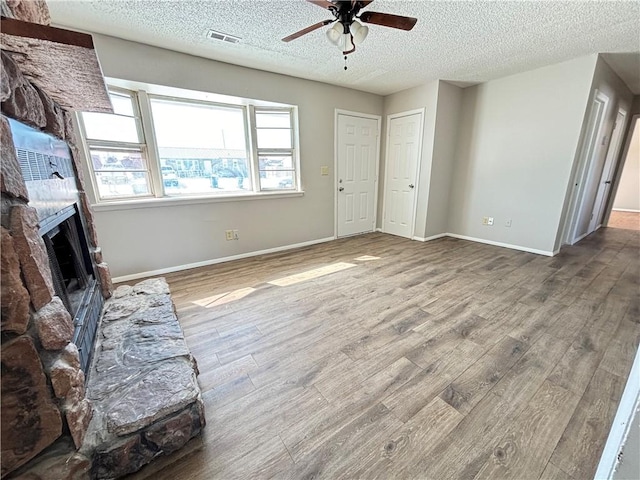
(345, 62)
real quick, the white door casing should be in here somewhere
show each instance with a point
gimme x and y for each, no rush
(607, 173)
(404, 139)
(357, 159)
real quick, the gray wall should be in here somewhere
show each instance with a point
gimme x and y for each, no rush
(606, 81)
(445, 143)
(517, 145)
(424, 96)
(151, 238)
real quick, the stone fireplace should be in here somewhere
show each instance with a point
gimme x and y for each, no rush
(71, 408)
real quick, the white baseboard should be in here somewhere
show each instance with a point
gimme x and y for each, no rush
(505, 245)
(627, 408)
(162, 271)
(432, 237)
(626, 210)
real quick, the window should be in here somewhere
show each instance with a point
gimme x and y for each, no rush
(117, 149)
(193, 147)
(274, 149)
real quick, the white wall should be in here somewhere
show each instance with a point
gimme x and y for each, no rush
(628, 194)
(517, 143)
(138, 240)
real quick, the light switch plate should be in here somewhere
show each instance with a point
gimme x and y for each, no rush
(324, 170)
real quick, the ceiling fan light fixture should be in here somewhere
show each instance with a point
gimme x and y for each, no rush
(359, 32)
(334, 34)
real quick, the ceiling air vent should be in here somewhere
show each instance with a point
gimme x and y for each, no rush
(224, 37)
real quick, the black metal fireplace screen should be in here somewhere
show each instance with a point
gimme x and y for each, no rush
(74, 280)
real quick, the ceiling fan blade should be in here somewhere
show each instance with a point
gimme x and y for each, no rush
(304, 31)
(322, 3)
(389, 20)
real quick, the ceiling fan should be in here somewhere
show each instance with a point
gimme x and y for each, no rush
(347, 31)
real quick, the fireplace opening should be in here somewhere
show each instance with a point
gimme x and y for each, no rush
(74, 280)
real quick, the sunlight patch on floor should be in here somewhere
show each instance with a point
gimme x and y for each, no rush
(223, 298)
(366, 258)
(311, 274)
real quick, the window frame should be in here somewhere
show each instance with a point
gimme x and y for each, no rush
(149, 149)
(115, 145)
(292, 151)
(247, 135)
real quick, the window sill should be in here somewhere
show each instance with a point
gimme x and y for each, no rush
(128, 204)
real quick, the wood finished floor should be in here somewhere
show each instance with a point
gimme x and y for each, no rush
(627, 220)
(438, 360)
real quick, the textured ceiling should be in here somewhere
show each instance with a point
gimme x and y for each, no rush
(462, 42)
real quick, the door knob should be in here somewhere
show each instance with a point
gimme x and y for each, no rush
(341, 189)
(411, 185)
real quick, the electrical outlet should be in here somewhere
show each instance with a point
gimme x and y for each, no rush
(235, 235)
(490, 222)
(507, 223)
(485, 220)
(229, 234)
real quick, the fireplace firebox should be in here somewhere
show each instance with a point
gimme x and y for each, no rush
(47, 169)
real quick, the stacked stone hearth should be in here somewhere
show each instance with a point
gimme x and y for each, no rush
(53, 425)
(143, 382)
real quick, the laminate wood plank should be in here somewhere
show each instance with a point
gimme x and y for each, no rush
(228, 392)
(298, 367)
(262, 417)
(577, 366)
(622, 349)
(463, 452)
(414, 395)
(306, 437)
(467, 390)
(531, 327)
(551, 472)
(359, 437)
(531, 438)
(527, 375)
(388, 354)
(503, 320)
(579, 450)
(226, 373)
(395, 455)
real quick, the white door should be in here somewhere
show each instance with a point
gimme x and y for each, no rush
(607, 173)
(357, 167)
(403, 154)
(592, 160)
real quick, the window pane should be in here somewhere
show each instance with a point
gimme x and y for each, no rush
(277, 180)
(273, 119)
(191, 125)
(202, 147)
(202, 172)
(274, 138)
(122, 104)
(120, 173)
(276, 162)
(104, 126)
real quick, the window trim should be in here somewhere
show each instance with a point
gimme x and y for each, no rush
(149, 150)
